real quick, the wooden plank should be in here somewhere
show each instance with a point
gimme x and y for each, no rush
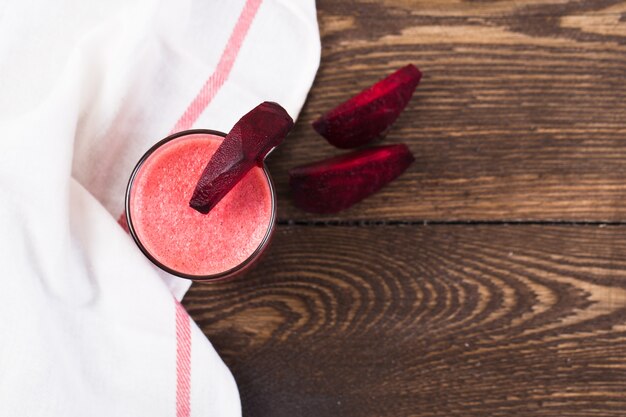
(427, 321)
(521, 114)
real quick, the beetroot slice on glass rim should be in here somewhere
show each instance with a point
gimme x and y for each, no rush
(335, 184)
(245, 146)
(370, 113)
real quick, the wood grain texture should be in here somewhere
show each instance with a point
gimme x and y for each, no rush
(427, 321)
(521, 114)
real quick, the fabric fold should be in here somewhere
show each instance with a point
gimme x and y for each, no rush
(88, 325)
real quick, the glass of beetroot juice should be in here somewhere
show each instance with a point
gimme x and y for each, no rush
(182, 241)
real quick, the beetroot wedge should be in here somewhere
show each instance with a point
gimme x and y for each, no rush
(335, 184)
(370, 113)
(245, 146)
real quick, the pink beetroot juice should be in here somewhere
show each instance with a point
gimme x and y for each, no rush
(178, 238)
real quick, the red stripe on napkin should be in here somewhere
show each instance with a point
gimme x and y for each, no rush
(222, 71)
(183, 361)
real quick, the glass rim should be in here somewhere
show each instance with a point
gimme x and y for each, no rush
(211, 277)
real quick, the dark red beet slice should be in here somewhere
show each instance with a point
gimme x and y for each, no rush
(337, 183)
(370, 113)
(245, 146)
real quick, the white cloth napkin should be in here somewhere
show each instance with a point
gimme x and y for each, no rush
(88, 326)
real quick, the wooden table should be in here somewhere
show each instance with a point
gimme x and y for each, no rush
(489, 280)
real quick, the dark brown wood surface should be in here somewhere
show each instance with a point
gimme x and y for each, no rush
(427, 321)
(485, 281)
(521, 113)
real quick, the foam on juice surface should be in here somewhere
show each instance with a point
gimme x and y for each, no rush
(180, 237)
